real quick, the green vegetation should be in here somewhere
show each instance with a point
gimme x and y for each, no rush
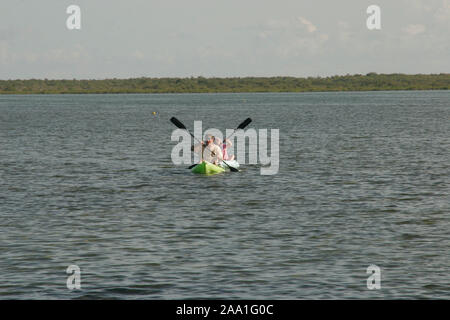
(368, 82)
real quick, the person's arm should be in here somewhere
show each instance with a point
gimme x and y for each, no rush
(228, 142)
(197, 148)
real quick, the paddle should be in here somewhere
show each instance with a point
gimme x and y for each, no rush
(180, 125)
(241, 126)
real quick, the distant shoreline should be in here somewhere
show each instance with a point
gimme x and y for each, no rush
(369, 82)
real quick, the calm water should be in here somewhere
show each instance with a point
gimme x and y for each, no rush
(88, 180)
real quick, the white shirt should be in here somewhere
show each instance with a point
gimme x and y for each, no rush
(211, 153)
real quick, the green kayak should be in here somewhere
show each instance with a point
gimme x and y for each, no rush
(207, 168)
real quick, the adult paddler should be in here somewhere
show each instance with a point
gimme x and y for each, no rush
(209, 151)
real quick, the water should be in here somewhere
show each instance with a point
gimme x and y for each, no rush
(88, 180)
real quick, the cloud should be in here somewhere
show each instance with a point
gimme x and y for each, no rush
(414, 29)
(290, 38)
(293, 37)
(432, 10)
(288, 26)
(420, 5)
(4, 52)
(443, 13)
(10, 55)
(30, 57)
(262, 35)
(75, 54)
(309, 26)
(138, 54)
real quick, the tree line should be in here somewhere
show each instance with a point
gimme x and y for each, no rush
(369, 82)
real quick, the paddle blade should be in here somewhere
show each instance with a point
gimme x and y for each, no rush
(245, 123)
(232, 169)
(177, 123)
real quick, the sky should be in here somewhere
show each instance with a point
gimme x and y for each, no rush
(221, 38)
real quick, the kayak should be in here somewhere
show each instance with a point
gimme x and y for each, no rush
(207, 168)
(231, 163)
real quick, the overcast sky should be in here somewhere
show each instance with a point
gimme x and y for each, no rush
(222, 38)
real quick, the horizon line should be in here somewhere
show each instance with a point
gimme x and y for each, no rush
(230, 77)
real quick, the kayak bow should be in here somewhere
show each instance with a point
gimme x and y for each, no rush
(207, 168)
